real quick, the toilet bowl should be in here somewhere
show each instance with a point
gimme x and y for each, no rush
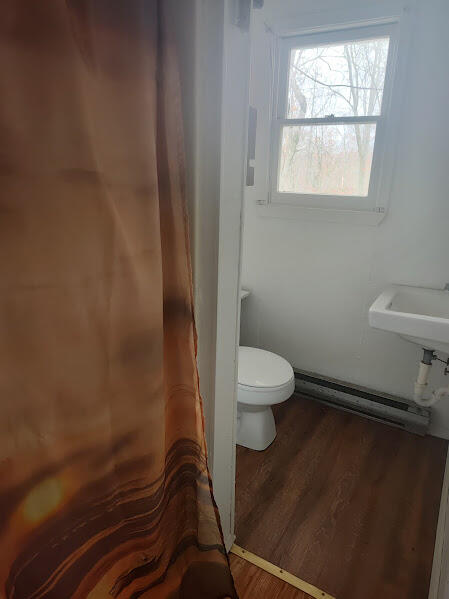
(264, 379)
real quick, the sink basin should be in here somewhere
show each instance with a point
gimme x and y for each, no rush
(417, 314)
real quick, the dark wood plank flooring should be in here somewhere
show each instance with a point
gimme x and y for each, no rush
(253, 583)
(345, 503)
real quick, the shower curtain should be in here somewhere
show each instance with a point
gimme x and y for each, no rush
(104, 487)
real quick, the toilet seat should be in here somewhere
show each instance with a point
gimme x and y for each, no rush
(252, 396)
(264, 378)
(261, 369)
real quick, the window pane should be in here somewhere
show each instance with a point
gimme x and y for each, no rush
(330, 159)
(344, 79)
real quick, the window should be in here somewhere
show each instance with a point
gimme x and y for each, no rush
(331, 118)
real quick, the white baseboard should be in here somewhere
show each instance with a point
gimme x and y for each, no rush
(439, 581)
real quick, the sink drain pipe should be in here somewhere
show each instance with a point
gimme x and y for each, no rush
(422, 381)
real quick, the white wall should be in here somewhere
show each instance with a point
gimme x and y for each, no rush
(313, 282)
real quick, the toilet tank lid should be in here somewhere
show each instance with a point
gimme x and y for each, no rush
(261, 368)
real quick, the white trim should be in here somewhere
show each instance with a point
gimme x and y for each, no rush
(202, 126)
(293, 211)
(229, 543)
(440, 565)
(362, 120)
(377, 13)
(234, 116)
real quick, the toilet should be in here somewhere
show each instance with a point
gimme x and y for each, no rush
(264, 379)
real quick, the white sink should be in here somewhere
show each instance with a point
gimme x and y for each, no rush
(417, 314)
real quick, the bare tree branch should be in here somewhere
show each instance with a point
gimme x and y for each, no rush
(332, 85)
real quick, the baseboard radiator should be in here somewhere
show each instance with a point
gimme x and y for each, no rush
(388, 409)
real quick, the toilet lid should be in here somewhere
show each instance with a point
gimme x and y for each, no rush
(261, 368)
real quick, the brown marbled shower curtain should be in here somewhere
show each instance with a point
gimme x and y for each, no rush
(104, 488)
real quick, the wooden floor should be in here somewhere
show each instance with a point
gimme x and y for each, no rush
(253, 583)
(347, 504)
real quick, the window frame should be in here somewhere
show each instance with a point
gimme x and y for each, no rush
(368, 209)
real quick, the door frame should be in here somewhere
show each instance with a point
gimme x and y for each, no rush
(234, 116)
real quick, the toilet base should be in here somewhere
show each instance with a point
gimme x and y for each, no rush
(256, 428)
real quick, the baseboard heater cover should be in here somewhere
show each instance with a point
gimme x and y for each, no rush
(371, 404)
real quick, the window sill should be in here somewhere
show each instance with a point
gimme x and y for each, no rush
(329, 215)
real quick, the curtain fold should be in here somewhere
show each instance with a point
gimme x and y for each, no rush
(104, 486)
